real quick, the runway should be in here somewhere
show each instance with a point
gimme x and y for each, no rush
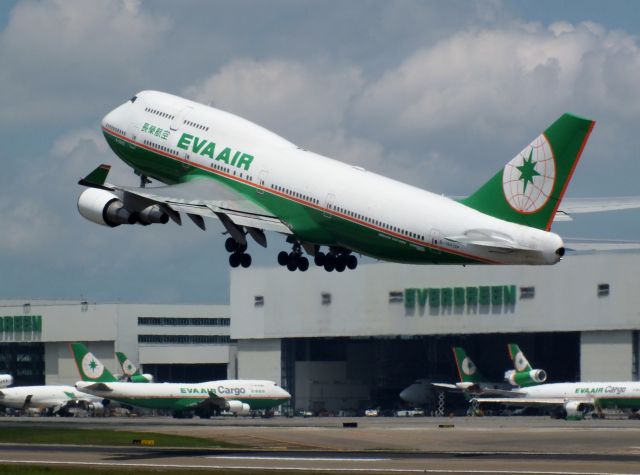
(523, 445)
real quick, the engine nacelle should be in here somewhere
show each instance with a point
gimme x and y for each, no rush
(141, 378)
(96, 407)
(526, 378)
(105, 208)
(5, 380)
(238, 407)
(152, 214)
(576, 409)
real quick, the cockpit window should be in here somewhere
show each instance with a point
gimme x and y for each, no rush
(133, 99)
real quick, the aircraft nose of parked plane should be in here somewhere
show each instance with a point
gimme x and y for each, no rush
(284, 394)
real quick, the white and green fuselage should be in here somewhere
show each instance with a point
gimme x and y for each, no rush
(330, 203)
(618, 395)
(257, 394)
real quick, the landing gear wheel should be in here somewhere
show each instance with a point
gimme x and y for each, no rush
(352, 262)
(303, 263)
(319, 258)
(283, 258)
(230, 244)
(341, 263)
(234, 259)
(245, 260)
(292, 262)
(329, 265)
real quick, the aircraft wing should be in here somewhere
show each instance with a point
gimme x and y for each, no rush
(97, 387)
(198, 198)
(447, 386)
(570, 206)
(479, 389)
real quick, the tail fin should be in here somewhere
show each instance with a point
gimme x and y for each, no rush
(128, 368)
(131, 372)
(90, 367)
(467, 370)
(528, 190)
(520, 362)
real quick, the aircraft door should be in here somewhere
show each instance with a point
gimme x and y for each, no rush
(179, 117)
(436, 240)
(329, 204)
(262, 180)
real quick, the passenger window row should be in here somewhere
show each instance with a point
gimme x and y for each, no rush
(375, 222)
(115, 129)
(295, 194)
(197, 126)
(160, 147)
(159, 113)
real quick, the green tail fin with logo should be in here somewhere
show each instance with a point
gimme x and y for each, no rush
(90, 367)
(528, 190)
(131, 372)
(467, 370)
(520, 362)
(128, 368)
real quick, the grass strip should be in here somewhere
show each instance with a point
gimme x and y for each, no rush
(38, 435)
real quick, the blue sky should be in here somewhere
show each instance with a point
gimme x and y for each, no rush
(437, 94)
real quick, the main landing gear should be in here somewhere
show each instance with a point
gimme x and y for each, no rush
(337, 259)
(238, 256)
(294, 260)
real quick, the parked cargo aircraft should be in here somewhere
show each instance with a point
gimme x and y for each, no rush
(203, 399)
(522, 374)
(57, 399)
(572, 399)
(130, 372)
(472, 381)
(218, 165)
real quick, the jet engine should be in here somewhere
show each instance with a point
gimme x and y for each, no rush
(141, 378)
(238, 407)
(105, 208)
(96, 408)
(526, 378)
(576, 409)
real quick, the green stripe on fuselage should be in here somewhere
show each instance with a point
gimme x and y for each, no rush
(308, 222)
(179, 404)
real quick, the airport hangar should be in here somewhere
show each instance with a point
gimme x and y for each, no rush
(353, 340)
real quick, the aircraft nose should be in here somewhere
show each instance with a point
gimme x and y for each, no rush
(114, 118)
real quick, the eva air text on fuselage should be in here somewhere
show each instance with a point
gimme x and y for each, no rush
(206, 148)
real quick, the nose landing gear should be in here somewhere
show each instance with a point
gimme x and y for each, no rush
(238, 256)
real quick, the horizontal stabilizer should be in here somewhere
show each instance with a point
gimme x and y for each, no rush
(578, 245)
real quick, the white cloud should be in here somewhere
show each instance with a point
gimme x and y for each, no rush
(486, 80)
(58, 52)
(291, 98)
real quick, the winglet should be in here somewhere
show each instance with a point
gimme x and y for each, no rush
(97, 177)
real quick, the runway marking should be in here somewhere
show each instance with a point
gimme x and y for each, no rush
(298, 459)
(307, 469)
